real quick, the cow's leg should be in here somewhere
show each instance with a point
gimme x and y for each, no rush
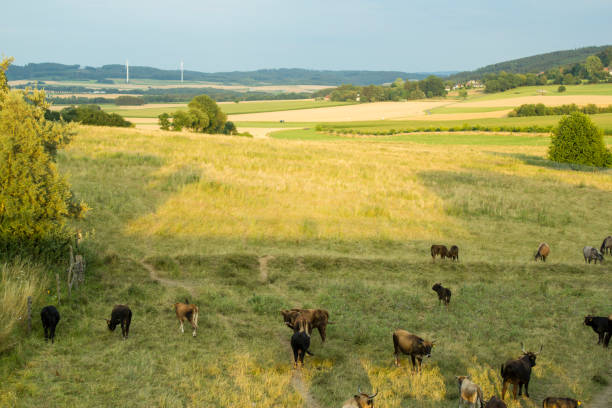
(295, 357)
(514, 387)
(46, 331)
(520, 385)
(302, 354)
(413, 362)
(193, 326)
(504, 388)
(397, 363)
(322, 332)
(182, 329)
(600, 337)
(419, 360)
(123, 329)
(527, 389)
(52, 334)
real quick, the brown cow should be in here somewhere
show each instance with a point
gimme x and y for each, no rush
(518, 372)
(444, 294)
(606, 245)
(189, 312)
(316, 318)
(412, 345)
(453, 253)
(542, 252)
(552, 402)
(495, 402)
(439, 250)
(469, 392)
(360, 400)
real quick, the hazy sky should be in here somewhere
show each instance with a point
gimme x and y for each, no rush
(227, 35)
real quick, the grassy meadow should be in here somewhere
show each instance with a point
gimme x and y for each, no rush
(246, 227)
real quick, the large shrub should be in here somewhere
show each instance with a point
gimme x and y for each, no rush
(577, 140)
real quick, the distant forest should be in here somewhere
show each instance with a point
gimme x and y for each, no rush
(282, 76)
(534, 64)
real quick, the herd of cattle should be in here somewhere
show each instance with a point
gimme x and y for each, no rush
(303, 321)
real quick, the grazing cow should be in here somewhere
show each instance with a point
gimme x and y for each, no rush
(316, 318)
(495, 402)
(412, 345)
(542, 252)
(50, 318)
(444, 294)
(189, 312)
(602, 326)
(453, 253)
(518, 372)
(121, 314)
(300, 341)
(469, 392)
(360, 400)
(606, 246)
(553, 402)
(439, 250)
(591, 254)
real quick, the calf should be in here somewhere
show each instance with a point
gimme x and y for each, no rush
(50, 318)
(602, 326)
(469, 392)
(439, 250)
(316, 318)
(121, 314)
(412, 345)
(300, 341)
(444, 294)
(453, 253)
(189, 312)
(542, 252)
(606, 245)
(518, 372)
(495, 402)
(360, 400)
(591, 254)
(552, 402)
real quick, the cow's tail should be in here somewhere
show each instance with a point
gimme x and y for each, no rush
(480, 398)
(195, 317)
(545, 403)
(186, 301)
(395, 343)
(501, 371)
(309, 353)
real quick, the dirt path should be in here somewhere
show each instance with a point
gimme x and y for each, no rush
(263, 267)
(166, 282)
(604, 398)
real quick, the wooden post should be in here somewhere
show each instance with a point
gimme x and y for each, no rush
(29, 314)
(59, 302)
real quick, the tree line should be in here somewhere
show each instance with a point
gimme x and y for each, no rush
(430, 87)
(87, 115)
(541, 110)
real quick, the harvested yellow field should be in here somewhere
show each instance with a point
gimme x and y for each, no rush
(366, 111)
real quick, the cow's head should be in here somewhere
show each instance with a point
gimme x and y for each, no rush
(426, 347)
(111, 324)
(364, 400)
(530, 355)
(436, 287)
(588, 320)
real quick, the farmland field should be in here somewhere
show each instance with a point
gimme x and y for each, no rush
(246, 227)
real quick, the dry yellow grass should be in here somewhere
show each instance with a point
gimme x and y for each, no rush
(548, 100)
(366, 111)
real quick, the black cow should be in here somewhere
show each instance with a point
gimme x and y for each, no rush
(121, 314)
(495, 402)
(518, 372)
(300, 341)
(50, 318)
(553, 402)
(444, 294)
(602, 326)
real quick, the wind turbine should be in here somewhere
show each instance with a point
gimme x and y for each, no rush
(181, 72)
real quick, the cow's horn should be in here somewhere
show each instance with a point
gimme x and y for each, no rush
(541, 346)
(359, 389)
(523, 347)
(375, 394)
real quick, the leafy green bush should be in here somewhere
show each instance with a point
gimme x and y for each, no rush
(93, 115)
(561, 88)
(128, 100)
(577, 140)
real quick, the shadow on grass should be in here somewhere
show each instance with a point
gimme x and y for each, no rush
(543, 162)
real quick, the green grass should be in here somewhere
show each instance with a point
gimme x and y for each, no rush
(349, 223)
(550, 90)
(229, 108)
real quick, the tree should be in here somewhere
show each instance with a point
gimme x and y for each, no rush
(577, 140)
(594, 67)
(463, 93)
(561, 89)
(164, 121)
(35, 200)
(207, 116)
(433, 85)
